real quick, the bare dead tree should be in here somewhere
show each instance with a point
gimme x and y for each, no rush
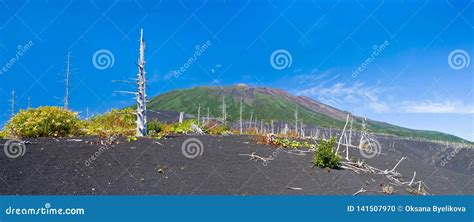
(141, 94)
(241, 115)
(28, 104)
(273, 129)
(223, 109)
(207, 115)
(350, 132)
(251, 118)
(199, 113)
(343, 134)
(256, 124)
(302, 129)
(296, 120)
(66, 97)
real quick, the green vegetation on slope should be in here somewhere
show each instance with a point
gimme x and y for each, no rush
(269, 107)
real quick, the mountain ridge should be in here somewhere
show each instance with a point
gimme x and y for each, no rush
(265, 103)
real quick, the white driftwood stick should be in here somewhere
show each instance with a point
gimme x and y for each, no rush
(395, 167)
(362, 190)
(256, 157)
(294, 188)
(412, 179)
(343, 133)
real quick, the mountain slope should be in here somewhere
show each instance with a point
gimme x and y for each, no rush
(272, 104)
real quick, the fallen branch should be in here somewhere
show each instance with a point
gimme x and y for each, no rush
(362, 190)
(256, 158)
(392, 175)
(300, 152)
(396, 165)
(293, 188)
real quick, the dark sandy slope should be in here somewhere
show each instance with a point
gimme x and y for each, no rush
(57, 166)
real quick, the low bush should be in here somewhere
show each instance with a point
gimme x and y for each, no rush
(113, 123)
(292, 144)
(216, 128)
(283, 142)
(3, 134)
(44, 121)
(183, 127)
(157, 129)
(154, 128)
(325, 155)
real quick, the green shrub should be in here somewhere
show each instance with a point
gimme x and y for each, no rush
(154, 127)
(158, 130)
(184, 127)
(45, 121)
(289, 143)
(113, 123)
(216, 128)
(325, 156)
(3, 134)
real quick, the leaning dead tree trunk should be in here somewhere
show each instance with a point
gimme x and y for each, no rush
(141, 94)
(343, 134)
(66, 97)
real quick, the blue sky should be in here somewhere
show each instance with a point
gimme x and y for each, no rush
(387, 60)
